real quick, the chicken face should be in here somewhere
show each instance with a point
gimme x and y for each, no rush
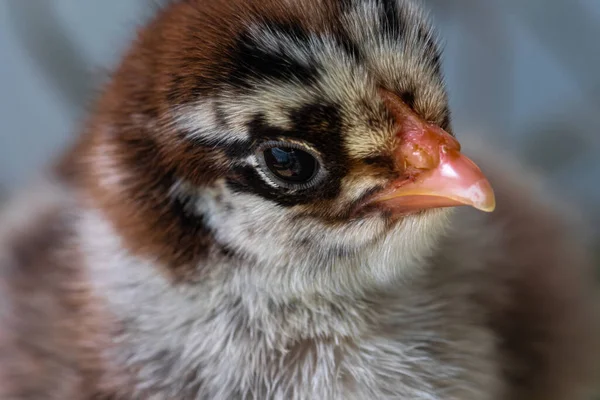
(293, 133)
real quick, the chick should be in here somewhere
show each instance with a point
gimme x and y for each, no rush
(263, 205)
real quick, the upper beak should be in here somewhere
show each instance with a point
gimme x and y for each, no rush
(434, 171)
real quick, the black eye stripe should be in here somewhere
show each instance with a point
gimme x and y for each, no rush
(319, 125)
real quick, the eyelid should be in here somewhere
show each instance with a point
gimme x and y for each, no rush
(290, 143)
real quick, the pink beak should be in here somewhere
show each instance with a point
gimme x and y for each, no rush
(435, 173)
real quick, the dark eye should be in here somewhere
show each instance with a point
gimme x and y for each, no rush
(289, 165)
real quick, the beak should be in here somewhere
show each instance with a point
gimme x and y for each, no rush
(434, 172)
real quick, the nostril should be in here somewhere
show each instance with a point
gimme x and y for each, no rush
(417, 156)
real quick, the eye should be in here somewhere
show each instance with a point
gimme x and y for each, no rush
(288, 165)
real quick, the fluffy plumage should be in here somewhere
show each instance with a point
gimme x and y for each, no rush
(168, 264)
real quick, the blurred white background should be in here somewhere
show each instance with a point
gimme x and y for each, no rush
(526, 73)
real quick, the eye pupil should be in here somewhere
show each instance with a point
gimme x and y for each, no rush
(290, 164)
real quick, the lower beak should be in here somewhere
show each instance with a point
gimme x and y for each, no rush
(434, 172)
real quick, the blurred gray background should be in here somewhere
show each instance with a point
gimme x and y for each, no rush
(526, 73)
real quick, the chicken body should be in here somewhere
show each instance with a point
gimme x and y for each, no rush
(181, 250)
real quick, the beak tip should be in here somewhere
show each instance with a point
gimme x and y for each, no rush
(488, 208)
(483, 197)
(487, 202)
